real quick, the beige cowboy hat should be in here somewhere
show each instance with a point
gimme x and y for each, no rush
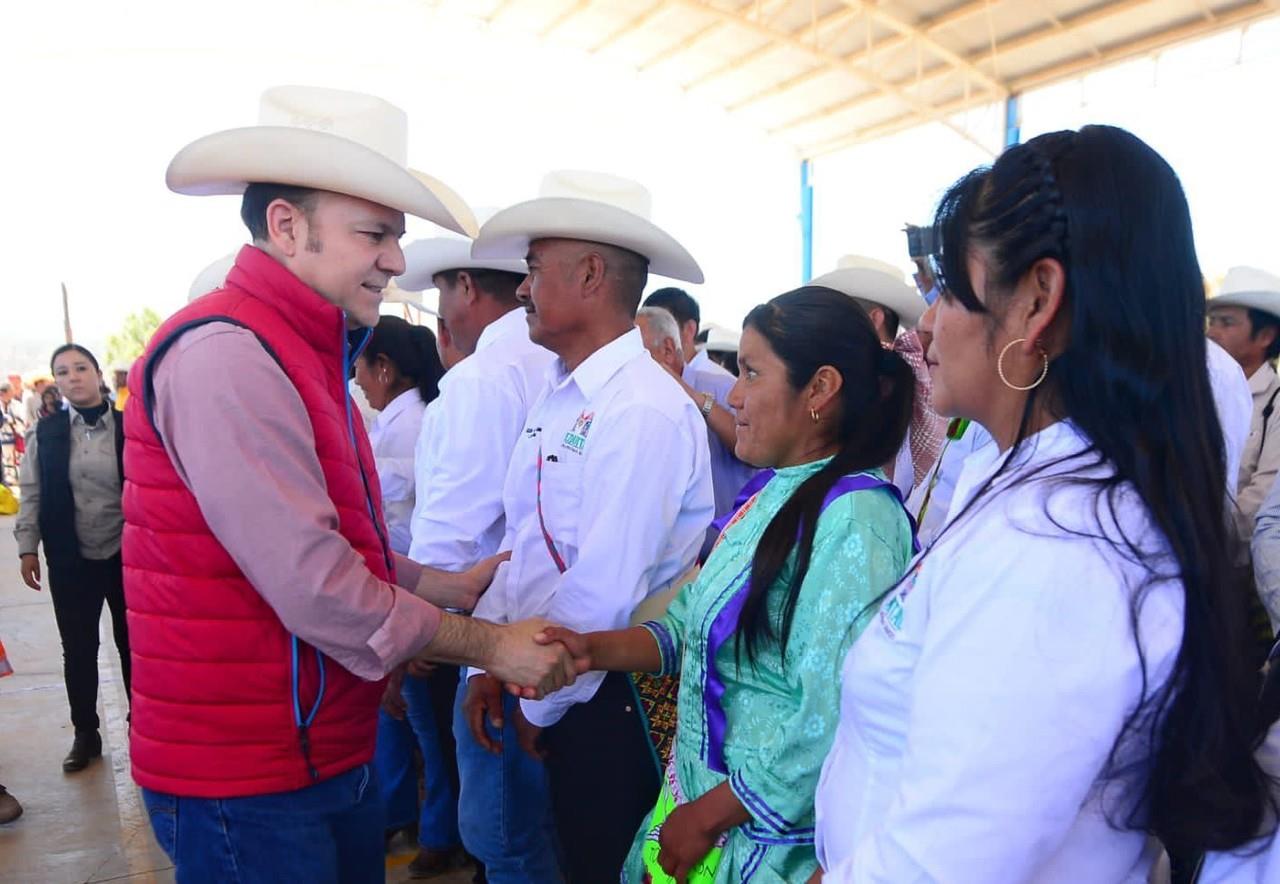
(1249, 287)
(213, 277)
(588, 206)
(422, 301)
(721, 339)
(424, 258)
(327, 139)
(878, 282)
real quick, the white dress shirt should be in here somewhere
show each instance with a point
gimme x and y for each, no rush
(981, 704)
(465, 446)
(366, 411)
(626, 498)
(393, 435)
(1234, 402)
(702, 362)
(943, 476)
(728, 474)
(1231, 397)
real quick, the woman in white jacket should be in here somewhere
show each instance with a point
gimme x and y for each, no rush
(1062, 672)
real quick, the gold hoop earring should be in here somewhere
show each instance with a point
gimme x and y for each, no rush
(813, 413)
(1044, 371)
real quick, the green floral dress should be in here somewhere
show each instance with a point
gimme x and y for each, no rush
(779, 716)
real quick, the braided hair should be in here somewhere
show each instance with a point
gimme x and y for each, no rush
(1133, 378)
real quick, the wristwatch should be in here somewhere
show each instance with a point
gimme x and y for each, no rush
(708, 403)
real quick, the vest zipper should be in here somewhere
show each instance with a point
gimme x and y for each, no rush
(304, 739)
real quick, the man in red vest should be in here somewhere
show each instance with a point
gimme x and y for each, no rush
(266, 604)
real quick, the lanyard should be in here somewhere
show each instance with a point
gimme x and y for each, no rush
(955, 430)
(542, 523)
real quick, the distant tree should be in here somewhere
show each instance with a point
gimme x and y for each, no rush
(128, 344)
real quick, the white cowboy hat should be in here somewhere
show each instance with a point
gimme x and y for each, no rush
(212, 277)
(1249, 287)
(721, 339)
(327, 139)
(424, 258)
(421, 301)
(878, 282)
(588, 206)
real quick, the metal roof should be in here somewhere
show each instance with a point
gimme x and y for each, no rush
(826, 74)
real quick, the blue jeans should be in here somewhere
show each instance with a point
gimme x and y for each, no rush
(324, 834)
(504, 808)
(398, 782)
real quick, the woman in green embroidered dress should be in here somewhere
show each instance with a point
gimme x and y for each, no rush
(759, 637)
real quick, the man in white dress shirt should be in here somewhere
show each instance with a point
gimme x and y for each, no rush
(688, 314)
(463, 453)
(608, 495)
(1245, 320)
(709, 390)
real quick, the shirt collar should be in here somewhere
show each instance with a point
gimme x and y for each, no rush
(1262, 379)
(596, 370)
(700, 360)
(396, 407)
(507, 325)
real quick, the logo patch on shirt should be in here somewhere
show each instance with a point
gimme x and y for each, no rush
(893, 611)
(576, 439)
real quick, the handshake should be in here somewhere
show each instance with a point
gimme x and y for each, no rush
(532, 658)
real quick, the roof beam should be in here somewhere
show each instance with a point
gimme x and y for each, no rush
(501, 7)
(835, 19)
(1056, 29)
(570, 12)
(633, 24)
(1222, 21)
(831, 60)
(676, 48)
(723, 17)
(932, 26)
(920, 35)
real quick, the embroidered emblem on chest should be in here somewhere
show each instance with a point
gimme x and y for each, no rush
(576, 439)
(893, 611)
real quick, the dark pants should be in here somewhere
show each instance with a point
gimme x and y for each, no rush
(604, 780)
(79, 587)
(329, 833)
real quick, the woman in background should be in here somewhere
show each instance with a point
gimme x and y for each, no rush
(71, 503)
(399, 372)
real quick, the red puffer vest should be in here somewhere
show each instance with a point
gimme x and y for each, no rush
(221, 692)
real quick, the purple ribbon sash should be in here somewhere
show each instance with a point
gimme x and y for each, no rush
(725, 623)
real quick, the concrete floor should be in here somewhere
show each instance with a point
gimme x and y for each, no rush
(89, 826)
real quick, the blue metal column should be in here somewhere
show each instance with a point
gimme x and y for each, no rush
(806, 223)
(1012, 119)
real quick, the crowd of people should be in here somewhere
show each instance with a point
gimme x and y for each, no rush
(965, 578)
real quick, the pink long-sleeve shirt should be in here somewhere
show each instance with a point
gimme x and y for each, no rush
(240, 438)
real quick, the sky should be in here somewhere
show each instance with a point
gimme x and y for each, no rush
(99, 96)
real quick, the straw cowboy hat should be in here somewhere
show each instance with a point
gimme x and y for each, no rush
(878, 282)
(422, 301)
(424, 258)
(721, 339)
(326, 139)
(588, 206)
(212, 277)
(1249, 287)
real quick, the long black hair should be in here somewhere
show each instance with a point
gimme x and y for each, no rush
(411, 349)
(808, 328)
(1133, 379)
